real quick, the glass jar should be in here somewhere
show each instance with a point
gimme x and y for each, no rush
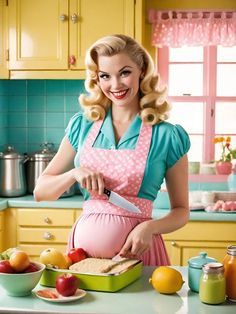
(229, 262)
(212, 284)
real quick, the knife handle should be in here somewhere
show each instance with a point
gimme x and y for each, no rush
(107, 192)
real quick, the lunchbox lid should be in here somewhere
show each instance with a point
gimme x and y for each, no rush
(199, 261)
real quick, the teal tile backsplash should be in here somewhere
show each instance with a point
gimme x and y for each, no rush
(36, 111)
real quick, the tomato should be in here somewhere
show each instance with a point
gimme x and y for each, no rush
(19, 261)
(77, 255)
(67, 284)
(5, 267)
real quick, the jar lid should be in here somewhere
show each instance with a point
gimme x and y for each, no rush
(199, 261)
(46, 154)
(231, 250)
(213, 268)
(11, 153)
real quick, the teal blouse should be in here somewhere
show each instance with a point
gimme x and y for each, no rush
(169, 143)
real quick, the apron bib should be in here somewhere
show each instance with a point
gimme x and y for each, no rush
(103, 227)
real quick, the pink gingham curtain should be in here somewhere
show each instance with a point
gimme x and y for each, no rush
(177, 29)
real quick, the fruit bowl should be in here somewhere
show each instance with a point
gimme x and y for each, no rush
(21, 284)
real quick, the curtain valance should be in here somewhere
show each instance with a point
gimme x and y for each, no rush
(184, 28)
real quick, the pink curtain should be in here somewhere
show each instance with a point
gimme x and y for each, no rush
(177, 29)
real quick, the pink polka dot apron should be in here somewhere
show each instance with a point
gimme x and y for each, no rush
(102, 228)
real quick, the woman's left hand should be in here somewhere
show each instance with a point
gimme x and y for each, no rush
(138, 241)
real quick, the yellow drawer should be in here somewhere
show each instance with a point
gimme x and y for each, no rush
(78, 212)
(35, 250)
(43, 235)
(205, 231)
(45, 217)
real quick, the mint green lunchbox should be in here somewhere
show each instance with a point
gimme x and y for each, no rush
(97, 282)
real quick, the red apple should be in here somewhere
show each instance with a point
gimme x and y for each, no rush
(67, 284)
(31, 268)
(5, 267)
(77, 255)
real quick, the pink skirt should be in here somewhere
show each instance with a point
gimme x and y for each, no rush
(103, 235)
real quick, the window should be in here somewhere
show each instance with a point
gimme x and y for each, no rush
(202, 89)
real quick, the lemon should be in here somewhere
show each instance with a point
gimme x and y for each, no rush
(166, 280)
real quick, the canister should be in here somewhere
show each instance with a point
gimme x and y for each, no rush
(232, 180)
(195, 269)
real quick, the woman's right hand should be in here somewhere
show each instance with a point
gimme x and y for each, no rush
(90, 180)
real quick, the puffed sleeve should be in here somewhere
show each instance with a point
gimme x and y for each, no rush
(73, 129)
(178, 146)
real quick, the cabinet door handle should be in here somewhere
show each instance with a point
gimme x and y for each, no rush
(173, 243)
(47, 220)
(74, 18)
(63, 17)
(72, 60)
(48, 235)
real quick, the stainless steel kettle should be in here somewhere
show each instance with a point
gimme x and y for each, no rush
(12, 173)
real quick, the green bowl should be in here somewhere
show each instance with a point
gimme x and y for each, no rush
(21, 284)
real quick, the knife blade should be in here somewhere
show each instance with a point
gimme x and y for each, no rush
(120, 201)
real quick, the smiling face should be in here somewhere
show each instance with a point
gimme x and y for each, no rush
(119, 79)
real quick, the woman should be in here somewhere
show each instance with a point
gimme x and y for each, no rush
(121, 143)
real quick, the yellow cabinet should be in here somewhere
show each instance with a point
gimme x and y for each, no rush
(54, 35)
(35, 229)
(38, 229)
(212, 237)
(4, 73)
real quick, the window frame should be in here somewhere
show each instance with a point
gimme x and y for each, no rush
(209, 97)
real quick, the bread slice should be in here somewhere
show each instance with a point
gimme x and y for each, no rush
(102, 265)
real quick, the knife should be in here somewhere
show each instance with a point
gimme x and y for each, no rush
(120, 201)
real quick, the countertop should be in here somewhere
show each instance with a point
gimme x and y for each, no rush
(76, 202)
(138, 297)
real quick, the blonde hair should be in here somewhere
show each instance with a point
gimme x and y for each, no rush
(153, 105)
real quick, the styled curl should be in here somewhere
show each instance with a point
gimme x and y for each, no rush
(153, 105)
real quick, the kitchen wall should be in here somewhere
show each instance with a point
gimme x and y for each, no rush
(36, 111)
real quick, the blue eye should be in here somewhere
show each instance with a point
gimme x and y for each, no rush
(104, 76)
(125, 73)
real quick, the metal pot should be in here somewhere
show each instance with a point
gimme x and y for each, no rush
(12, 173)
(37, 163)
